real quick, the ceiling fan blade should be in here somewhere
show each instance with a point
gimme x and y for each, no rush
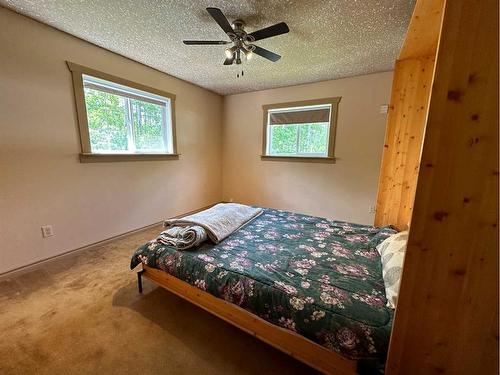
(221, 19)
(266, 54)
(229, 61)
(278, 29)
(203, 42)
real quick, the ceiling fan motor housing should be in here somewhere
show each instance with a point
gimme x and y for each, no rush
(242, 41)
(238, 25)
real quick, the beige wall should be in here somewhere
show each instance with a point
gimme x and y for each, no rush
(41, 179)
(343, 190)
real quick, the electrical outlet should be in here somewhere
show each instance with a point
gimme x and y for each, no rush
(384, 108)
(372, 209)
(231, 200)
(47, 231)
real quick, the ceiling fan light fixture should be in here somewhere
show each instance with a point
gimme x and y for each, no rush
(230, 51)
(241, 40)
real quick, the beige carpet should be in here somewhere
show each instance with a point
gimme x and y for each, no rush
(82, 314)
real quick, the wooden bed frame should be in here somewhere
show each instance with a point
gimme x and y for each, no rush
(440, 74)
(322, 359)
(297, 346)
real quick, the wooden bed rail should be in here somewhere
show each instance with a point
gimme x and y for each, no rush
(297, 346)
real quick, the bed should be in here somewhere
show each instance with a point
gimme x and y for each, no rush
(310, 286)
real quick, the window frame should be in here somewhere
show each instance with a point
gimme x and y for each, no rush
(86, 155)
(330, 157)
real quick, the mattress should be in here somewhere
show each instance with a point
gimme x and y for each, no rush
(317, 277)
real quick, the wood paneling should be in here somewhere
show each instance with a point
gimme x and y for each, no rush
(403, 141)
(447, 316)
(291, 343)
(412, 82)
(423, 33)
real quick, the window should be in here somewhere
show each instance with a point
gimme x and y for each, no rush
(122, 120)
(301, 130)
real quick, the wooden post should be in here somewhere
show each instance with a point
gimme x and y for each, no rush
(447, 316)
(407, 115)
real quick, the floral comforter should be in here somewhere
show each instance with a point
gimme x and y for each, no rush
(317, 277)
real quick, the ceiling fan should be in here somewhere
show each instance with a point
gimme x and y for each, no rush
(242, 42)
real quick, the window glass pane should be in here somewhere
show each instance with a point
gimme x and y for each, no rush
(313, 138)
(148, 119)
(283, 139)
(106, 117)
(126, 120)
(299, 130)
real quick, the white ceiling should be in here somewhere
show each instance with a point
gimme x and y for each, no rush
(328, 39)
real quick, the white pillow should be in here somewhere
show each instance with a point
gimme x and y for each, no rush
(392, 253)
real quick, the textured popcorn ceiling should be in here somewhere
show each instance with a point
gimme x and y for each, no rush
(328, 39)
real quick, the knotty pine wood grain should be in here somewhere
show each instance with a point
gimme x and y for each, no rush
(423, 32)
(447, 316)
(412, 82)
(403, 141)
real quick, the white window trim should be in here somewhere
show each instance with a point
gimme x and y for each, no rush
(299, 106)
(130, 89)
(297, 154)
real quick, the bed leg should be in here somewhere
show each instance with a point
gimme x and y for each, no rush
(139, 280)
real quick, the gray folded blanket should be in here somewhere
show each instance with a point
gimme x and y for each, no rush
(219, 221)
(183, 238)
